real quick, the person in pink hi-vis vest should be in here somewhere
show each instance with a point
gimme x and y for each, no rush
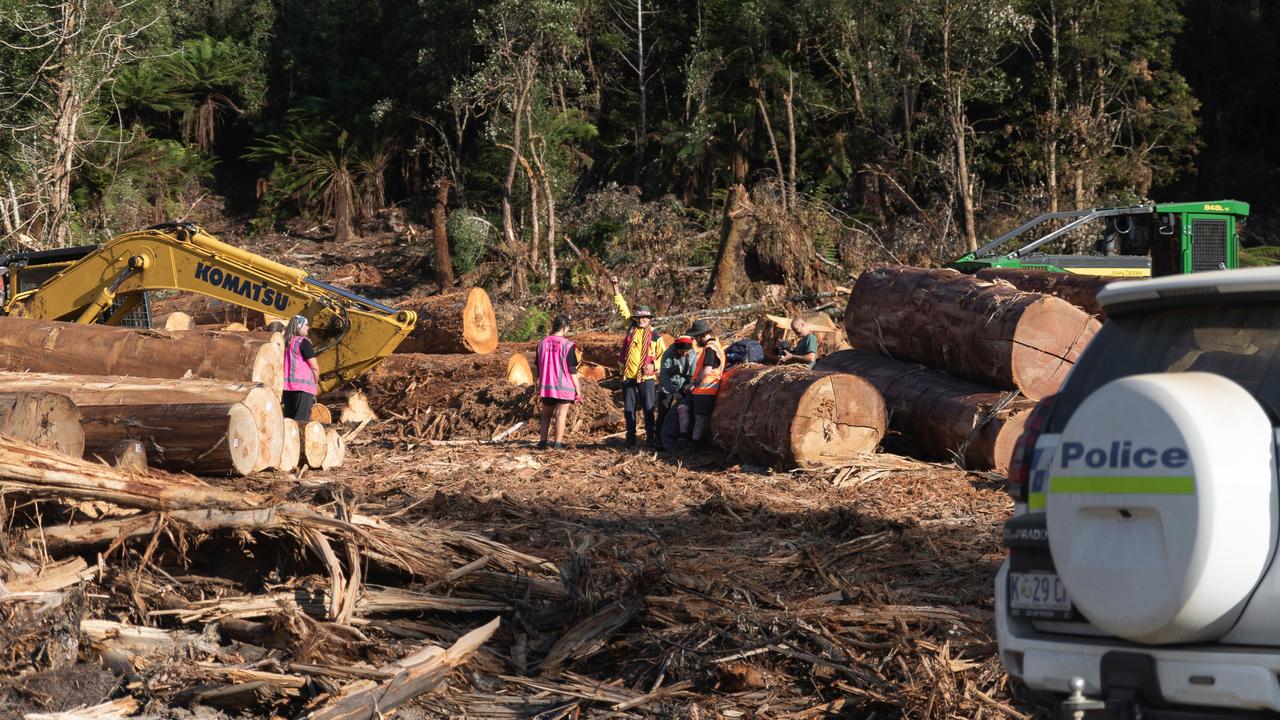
(301, 371)
(557, 361)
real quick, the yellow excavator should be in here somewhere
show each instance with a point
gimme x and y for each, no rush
(110, 284)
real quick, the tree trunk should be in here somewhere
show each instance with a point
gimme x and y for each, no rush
(790, 98)
(461, 322)
(728, 269)
(291, 448)
(946, 418)
(440, 233)
(103, 397)
(793, 417)
(45, 419)
(315, 444)
(201, 438)
(599, 348)
(343, 207)
(28, 468)
(1079, 290)
(773, 139)
(49, 346)
(205, 310)
(971, 328)
(959, 126)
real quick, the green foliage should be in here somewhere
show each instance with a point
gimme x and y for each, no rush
(1261, 256)
(469, 239)
(529, 325)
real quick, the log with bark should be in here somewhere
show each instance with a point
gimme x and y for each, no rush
(790, 416)
(122, 455)
(1079, 290)
(599, 348)
(167, 444)
(728, 272)
(315, 445)
(204, 310)
(41, 418)
(987, 332)
(945, 417)
(58, 347)
(224, 327)
(456, 322)
(769, 330)
(202, 438)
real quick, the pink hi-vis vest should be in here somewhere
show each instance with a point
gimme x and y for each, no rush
(554, 379)
(298, 375)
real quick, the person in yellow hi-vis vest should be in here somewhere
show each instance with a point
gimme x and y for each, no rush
(638, 360)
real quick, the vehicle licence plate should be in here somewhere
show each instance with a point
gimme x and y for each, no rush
(1038, 594)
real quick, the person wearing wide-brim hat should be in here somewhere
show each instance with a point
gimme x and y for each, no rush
(638, 359)
(707, 371)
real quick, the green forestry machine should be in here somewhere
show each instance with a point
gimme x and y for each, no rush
(1136, 241)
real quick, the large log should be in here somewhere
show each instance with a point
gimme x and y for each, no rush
(202, 438)
(599, 348)
(770, 329)
(58, 347)
(335, 452)
(205, 310)
(946, 418)
(315, 445)
(291, 449)
(790, 416)
(975, 329)
(461, 322)
(102, 396)
(1079, 290)
(176, 320)
(49, 420)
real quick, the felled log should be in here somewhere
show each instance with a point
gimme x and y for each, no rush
(205, 310)
(315, 445)
(57, 347)
(461, 322)
(769, 330)
(945, 417)
(412, 676)
(291, 448)
(176, 320)
(46, 419)
(592, 371)
(518, 370)
(320, 413)
(167, 443)
(1079, 290)
(599, 348)
(971, 328)
(224, 327)
(335, 450)
(27, 468)
(201, 438)
(790, 416)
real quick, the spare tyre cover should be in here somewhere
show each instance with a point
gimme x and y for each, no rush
(1162, 506)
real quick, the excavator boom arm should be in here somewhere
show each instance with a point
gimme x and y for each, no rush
(351, 333)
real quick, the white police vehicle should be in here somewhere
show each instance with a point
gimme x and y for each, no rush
(1141, 580)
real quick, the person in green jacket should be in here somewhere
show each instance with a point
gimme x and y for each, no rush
(806, 349)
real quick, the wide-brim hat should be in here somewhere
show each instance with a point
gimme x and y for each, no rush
(642, 311)
(698, 328)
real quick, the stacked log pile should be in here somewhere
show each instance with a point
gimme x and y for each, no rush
(198, 402)
(987, 332)
(958, 358)
(791, 416)
(1079, 290)
(947, 418)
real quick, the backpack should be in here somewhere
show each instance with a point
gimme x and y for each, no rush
(744, 351)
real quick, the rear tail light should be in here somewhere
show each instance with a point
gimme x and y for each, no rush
(1023, 460)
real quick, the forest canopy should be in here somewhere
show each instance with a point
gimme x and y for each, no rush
(940, 114)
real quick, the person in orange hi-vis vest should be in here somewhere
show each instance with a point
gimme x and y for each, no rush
(707, 371)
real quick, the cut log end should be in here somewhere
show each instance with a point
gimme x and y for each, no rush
(357, 409)
(315, 443)
(518, 370)
(242, 440)
(479, 324)
(291, 448)
(335, 452)
(838, 417)
(46, 419)
(128, 455)
(592, 371)
(321, 414)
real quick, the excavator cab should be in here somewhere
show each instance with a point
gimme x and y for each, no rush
(1134, 241)
(24, 272)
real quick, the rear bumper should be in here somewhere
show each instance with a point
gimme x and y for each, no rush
(1218, 677)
